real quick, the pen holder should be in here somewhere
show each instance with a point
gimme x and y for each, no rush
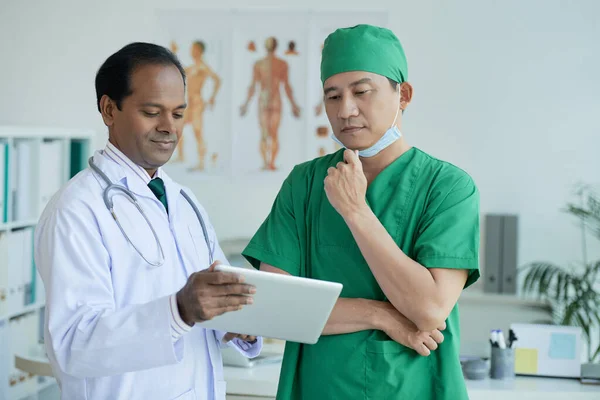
(502, 365)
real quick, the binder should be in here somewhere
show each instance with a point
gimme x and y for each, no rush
(12, 182)
(493, 253)
(79, 151)
(501, 251)
(16, 294)
(3, 182)
(6, 183)
(39, 292)
(27, 271)
(13, 336)
(50, 171)
(23, 189)
(4, 359)
(4, 283)
(510, 240)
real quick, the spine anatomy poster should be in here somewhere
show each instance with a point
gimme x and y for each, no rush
(254, 95)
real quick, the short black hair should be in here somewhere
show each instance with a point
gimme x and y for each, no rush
(114, 76)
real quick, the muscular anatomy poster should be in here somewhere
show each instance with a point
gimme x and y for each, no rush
(255, 100)
(270, 87)
(203, 47)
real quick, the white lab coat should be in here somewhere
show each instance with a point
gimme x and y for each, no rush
(107, 330)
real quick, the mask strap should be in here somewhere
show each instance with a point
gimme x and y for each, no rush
(398, 109)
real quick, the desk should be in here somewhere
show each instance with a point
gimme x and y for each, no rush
(532, 388)
(260, 383)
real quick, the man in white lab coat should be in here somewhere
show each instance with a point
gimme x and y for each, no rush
(119, 326)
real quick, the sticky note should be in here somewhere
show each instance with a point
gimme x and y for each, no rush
(526, 361)
(562, 346)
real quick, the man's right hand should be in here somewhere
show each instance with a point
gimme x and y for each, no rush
(403, 331)
(210, 293)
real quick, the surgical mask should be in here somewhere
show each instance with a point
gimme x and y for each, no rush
(389, 137)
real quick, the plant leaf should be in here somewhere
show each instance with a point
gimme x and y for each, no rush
(529, 282)
(559, 287)
(535, 279)
(543, 279)
(596, 354)
(567, 285)
(595, 272)
(556, 284)
(569, 313)
(594, 308)
(538, 271)
(584, 324)
(528, 271)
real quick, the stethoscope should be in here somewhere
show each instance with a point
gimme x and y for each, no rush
(127, 193)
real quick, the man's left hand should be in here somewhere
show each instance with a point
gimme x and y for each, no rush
(246, 338)
(346, 185)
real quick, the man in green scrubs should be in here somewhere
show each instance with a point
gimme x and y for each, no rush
(396, 226)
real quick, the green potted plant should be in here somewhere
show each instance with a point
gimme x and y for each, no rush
(572, 293)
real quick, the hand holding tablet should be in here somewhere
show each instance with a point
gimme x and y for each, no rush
(284, 307)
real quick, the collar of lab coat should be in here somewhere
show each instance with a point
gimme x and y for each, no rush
(121, 174)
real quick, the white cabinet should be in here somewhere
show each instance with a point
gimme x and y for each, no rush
(34, 164)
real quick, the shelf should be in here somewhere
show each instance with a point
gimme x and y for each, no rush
(36, 364)
(22, 224)
(33, 132)
(18, 225)
(24, 310)
(36, 162)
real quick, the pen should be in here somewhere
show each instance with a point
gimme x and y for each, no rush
(494, 338)
(501, 342)
(511, 338)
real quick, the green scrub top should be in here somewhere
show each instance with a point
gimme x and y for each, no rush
(431, 209)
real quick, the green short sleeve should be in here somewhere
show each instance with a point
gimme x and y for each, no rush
(448, 236)
(277, 241)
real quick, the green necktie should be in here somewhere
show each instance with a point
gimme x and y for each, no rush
(158, 188)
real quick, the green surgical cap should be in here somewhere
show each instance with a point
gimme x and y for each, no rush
(364, 48)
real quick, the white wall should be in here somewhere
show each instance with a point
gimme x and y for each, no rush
(508, 90)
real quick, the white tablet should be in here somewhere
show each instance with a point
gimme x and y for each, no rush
(285, 307)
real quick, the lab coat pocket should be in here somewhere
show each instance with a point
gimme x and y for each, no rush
(393, 369)
(189, 395)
